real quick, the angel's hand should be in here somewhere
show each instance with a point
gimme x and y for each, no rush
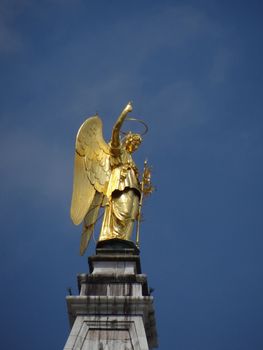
(128, 108)
(115, 137)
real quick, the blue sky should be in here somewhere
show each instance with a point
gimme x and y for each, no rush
(193, 70)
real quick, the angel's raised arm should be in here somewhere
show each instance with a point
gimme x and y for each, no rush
(115, 137)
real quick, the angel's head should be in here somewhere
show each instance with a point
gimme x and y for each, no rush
(132, 142)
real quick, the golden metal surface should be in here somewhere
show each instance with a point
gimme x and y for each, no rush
(105, 176)
(146, 189)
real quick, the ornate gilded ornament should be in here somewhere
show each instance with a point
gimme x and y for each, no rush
(105, 176)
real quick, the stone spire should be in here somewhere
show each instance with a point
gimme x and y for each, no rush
(114, 309)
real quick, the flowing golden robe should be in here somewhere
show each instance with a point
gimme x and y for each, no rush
(124, 194)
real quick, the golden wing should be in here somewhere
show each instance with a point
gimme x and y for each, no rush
(90, 221)
(91, 173)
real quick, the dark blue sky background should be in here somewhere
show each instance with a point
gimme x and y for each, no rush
(193, 70)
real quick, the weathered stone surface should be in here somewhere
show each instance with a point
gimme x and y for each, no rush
(114, 267)
(114, 309)
(111, 333)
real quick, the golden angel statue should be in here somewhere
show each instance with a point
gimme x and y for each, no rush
(105, 175)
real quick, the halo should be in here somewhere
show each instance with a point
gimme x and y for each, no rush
(139, 121)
